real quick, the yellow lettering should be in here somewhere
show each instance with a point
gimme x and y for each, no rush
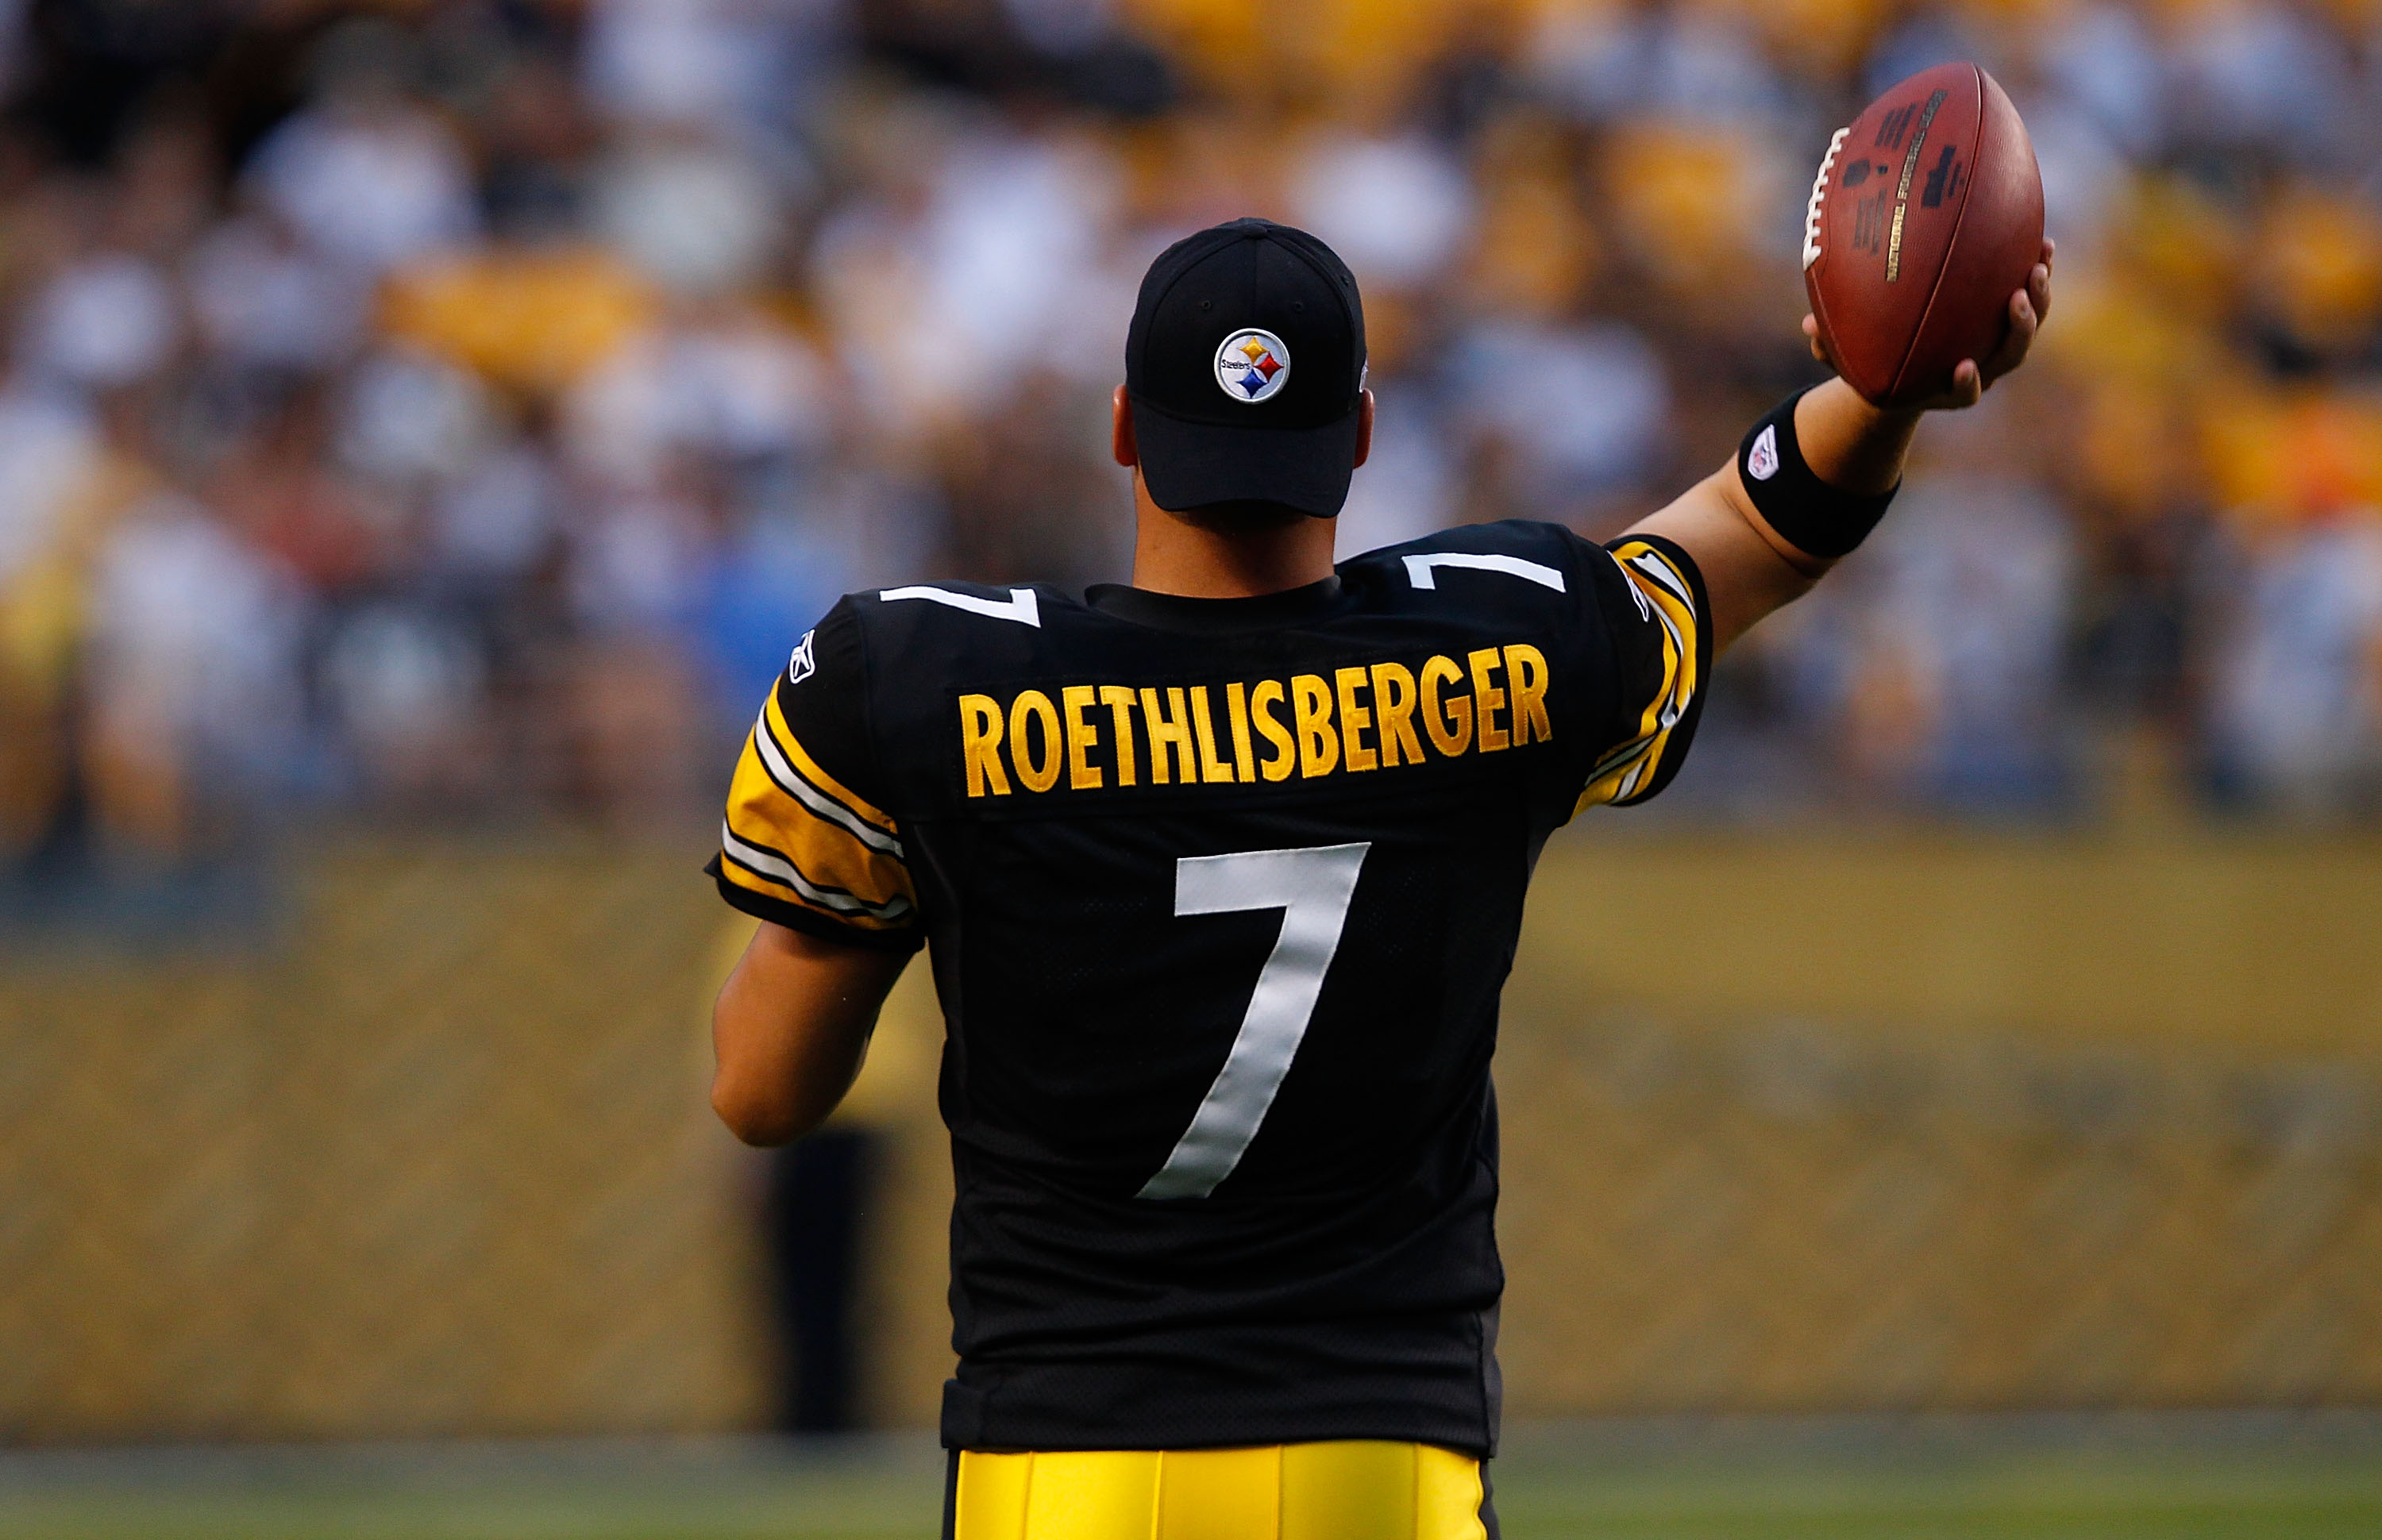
(1359, 717)
(1034, 706)
(1525, 669)
(1354, 719)
(1174, 729)
(1393, 701)
(1285, 758)
(1081, 738)
(1319, 746)
(980, 745)
(1450, 725)
(1490, 700)
(1211, 768)
(1236, 706)
(1119, 700)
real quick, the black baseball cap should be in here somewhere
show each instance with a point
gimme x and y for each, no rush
(1246, 366)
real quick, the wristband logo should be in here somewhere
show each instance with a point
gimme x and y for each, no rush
(1252, 366)
(1762, 460)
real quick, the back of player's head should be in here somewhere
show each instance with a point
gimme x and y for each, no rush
(1246, 366)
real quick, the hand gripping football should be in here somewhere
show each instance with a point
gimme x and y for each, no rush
(1925, 218)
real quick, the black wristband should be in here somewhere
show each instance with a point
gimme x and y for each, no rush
(1807, 512)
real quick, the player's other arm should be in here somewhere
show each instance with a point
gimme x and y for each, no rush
(807, 848)
(789, 1029)
(1749, 569)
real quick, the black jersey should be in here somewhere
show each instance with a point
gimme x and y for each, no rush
(1220, 895)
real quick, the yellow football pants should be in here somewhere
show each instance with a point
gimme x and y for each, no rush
(1335, 1491)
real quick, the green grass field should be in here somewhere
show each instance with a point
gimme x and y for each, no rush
(2195, 1478)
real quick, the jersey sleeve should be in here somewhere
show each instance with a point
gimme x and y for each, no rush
(804, 843)
(1653, 603)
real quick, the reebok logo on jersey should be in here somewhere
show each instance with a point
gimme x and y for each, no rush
(1364, 718)
(803, 664)
(1762, 460)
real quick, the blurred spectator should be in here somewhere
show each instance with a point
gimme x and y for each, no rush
(2297, 712)
(1609, 62)
(192, 685)
(365, 174)
(517, 382)
(262, 302)
(697, 218)
(406, 417)
(404, 686)
(727, 64)
(106, 321)
(733, 386)
(2107, 66)
(496, 520)
(538, 141)
(1568, 416)
(2265, 76)
(49, 453)
(2084, 174)
(1962, 670)
(1395, 210)
(282, 489)
(1012, 241)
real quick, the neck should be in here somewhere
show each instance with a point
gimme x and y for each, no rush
(1179, 554)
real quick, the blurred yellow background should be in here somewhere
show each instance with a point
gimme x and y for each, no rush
(1914, 1122)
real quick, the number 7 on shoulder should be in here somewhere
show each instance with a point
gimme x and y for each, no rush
(1313, 887)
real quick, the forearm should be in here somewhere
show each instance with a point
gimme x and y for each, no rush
(1747, 569)
(1851, 456)
(789, 1030)
(1752, 567)
(1850, 444)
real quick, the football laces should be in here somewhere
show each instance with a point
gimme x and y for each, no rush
(1819, 192)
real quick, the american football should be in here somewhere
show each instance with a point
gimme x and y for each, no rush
(1926, 214)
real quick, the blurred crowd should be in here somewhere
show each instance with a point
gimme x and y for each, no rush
(461, 406)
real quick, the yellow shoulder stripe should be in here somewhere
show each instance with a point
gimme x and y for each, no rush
(785, 838)
(774, 877)
(800, 759)
(1670, 598)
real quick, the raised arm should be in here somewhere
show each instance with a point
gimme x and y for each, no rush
(1855, 449)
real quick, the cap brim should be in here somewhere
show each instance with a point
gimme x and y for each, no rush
(1191, 465)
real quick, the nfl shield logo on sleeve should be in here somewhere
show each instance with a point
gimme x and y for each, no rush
(802, 665)
(1762, 460)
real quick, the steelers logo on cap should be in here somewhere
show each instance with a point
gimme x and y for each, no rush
(1252, 366)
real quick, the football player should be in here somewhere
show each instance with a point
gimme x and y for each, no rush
(1219, 875)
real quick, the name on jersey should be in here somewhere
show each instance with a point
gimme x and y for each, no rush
(1367, 716)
